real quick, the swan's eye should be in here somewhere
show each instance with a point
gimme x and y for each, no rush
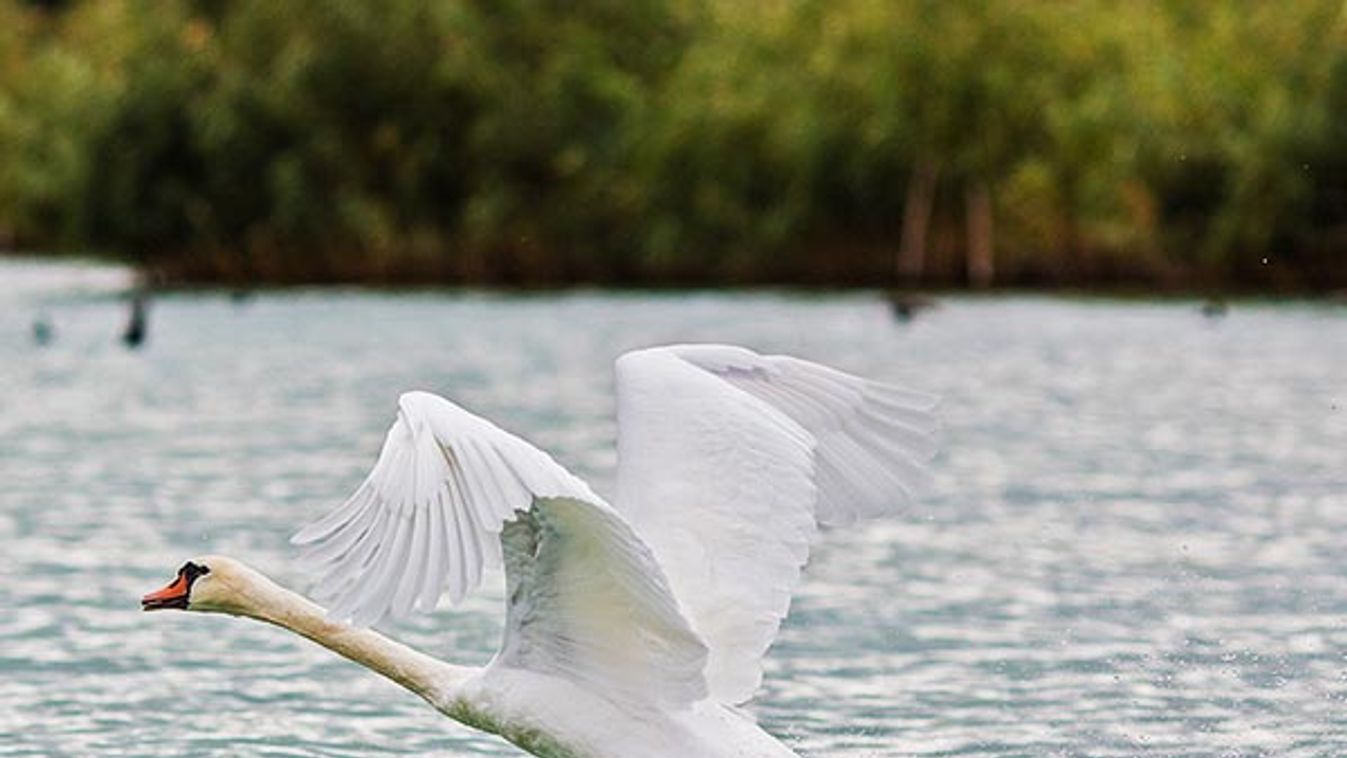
(192, 571)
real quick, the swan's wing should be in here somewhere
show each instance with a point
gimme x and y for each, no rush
(728, 462)
(587, 600)
(571, 614)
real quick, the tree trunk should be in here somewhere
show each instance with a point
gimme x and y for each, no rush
(981, 268)
(1075, 254)
(917, 220)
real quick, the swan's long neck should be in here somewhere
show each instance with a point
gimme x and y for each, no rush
(428, 677)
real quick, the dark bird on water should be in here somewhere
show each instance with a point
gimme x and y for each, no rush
(1215, 307)
(137, 325)
(906, 306)
(43, 331)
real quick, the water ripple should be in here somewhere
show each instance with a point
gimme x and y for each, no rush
(1134, 547)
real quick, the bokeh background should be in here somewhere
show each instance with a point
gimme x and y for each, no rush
(1150, 144)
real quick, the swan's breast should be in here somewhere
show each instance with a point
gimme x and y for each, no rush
(555, 718)
(519, 706)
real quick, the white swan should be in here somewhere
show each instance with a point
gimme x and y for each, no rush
(631, 631)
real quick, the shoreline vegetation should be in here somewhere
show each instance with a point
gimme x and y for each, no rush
(1155, 146)
(150, 282)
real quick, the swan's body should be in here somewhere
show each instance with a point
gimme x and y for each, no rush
(631, 631)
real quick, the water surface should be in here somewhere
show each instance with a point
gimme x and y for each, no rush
(1135, 546)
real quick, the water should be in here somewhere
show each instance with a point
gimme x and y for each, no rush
(1135, 547)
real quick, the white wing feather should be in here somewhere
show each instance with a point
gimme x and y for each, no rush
(729, 460)
(587, 599)
(570, 614)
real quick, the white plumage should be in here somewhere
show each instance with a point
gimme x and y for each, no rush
(663, 607)
(729, 460)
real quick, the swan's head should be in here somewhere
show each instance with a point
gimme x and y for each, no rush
(211, 583)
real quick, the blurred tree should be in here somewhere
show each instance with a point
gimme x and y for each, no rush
(51, 104)
(565, 92)
(848, 141)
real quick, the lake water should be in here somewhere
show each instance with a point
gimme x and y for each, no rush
(1137, 545)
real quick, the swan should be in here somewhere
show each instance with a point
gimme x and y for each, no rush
(633, 630)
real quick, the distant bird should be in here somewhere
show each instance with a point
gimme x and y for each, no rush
(240, 295)
(906, 306)
(137, 325)
(630, 631)
(1215, 307)
(43, 331)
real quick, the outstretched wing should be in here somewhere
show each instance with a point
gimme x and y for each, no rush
(729, 460)
(571, 614)
(587, 600)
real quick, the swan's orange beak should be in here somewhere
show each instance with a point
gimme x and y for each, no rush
(176, 594)
(172, 596)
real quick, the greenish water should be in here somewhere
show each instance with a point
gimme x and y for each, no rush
(1135, 547)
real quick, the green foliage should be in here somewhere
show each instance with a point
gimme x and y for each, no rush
(678, 140)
